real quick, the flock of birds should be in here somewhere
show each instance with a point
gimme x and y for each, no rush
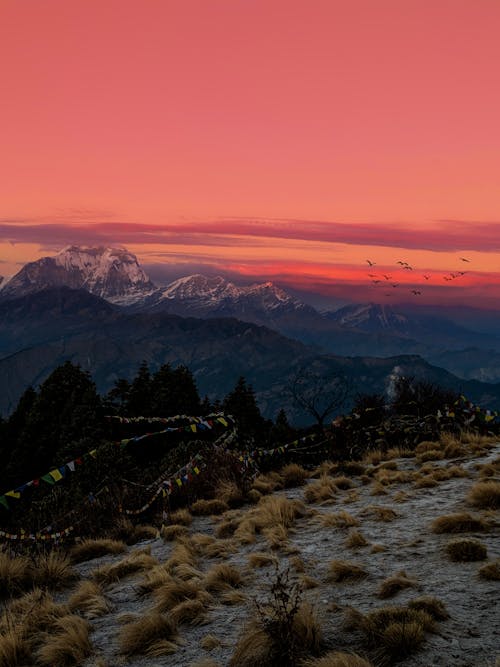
(385, 279)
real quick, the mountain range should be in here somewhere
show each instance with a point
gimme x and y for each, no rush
(98, 307)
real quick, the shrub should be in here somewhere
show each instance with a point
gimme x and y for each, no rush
(462, 522)
(463, 550)
(485, 495)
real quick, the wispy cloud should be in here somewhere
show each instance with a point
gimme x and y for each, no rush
(441, 235)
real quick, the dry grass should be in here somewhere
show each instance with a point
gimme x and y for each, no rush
(465, 549)
(227, 526)
(33, 613)
(15, 574)
(53, 570)
(378, 489)
(137, 561)
(89, 549)
(431, 455)
(308, 582)
(14, 650)
(320, 490)
(343, 483)
(210, 642)
(378, 513)
(261, 559)
(230, 493)
(154, 578)
(377, 548)
(392, 585)
(297, 563)
(294, 475)
(485, 495)
(204, 507)
(181, 516)
(401, 496)
(89, 600)
(491, 571)
(351, 496)
(233, 597)
(173, 532)
(341, 570)
(204, 662)
(352, 468)
(325, 468)
(126, 531)
(66, 644)
(189, 612)
(338, 659)
(425, 482)
(273, 516)
(254, 648)
(461, 522)
(221, 577)
(183, 553)
(151, 635)
(431, 605)
(173, 592)
(395, 632)
(355, 539)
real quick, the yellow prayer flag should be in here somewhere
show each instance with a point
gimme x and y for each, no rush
(193, 428)
(13, 494)
(55, 474)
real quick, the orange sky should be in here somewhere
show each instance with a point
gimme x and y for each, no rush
(283, 139)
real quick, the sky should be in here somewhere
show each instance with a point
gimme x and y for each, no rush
(285, 140)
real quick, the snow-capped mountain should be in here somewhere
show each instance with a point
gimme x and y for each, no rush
(215, 296)
(111, 273)
(373, 318)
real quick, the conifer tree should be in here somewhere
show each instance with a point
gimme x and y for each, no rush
(241, 404)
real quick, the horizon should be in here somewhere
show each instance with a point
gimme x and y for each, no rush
(275, 140)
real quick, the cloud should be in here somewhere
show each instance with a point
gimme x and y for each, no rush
(441, 236)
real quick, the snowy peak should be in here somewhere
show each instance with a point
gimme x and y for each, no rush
(217, 293)
(111, 273)
(370, 317)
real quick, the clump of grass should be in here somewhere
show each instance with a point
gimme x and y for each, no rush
(173, 592)
(137, 561)
(230, 493)
(377, 548)
(174, 531)
(130, 534)
(293, 475)
(221, 577)
(425, 482)
(53, 570)
(233, 597)
(352, 468)
(341, 570)
(426, 446)
(431, 455)
(325, 468)
(431, 605)
(392, 585)
(297, 563)
(356, 539)
(90, 549)
(181, 516)
(308, 582)
(151, 635)
(204, 507)
(89, 600)
(14, 649)
(485, 495)
(343, 483)
(273, 516)
(340, 519)
(338, 659)
(491, 571)
(68, 643)
(320, 490)
(227, 526)
(401, 497)
(395, 632)
(378, 489)
(351, 496)
(466, 549)
(153, 578)
(209, 642)
(461, 522)
(380, 513)
(15, 574)
(260, 559)
(189, 612)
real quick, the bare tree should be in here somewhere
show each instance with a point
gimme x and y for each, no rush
(319, 394)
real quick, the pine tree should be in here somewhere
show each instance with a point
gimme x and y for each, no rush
(140, 394)
(241, 404)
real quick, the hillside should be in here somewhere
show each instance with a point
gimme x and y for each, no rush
(185, 595)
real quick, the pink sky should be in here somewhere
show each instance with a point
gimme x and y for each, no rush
(269, 138)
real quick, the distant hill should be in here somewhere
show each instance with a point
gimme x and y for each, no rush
(40, 332)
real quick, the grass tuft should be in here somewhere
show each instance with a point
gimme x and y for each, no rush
(465, 550)
(222, 577)
(210, 642)
(204, 507)
(485, 495)
(173, 532)
(378, 513)
(53, 570)
(137, 561)
(355, 539)
(293, 475)
(181, 516)
(144, 635)
(461, 522)
(491, 571)
(15, 574)
(89, 600)
(392, 585)
(320, 490)
(173, 592)
(431, 605)
(341, 570)
(89, 549)
(67, 643)
(338, 659)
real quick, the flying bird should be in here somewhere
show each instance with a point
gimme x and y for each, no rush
(446, 278)
(464, 259)
(408, 267)
(400, 262)
(387, 277)
(376, 282)
(416, 291)
(370, 263)
(372, 275)
(395, 284)
(426, 277)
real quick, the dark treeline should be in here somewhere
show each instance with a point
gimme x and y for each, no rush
(65, 416)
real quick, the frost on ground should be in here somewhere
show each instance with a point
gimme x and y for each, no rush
(384, 525)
